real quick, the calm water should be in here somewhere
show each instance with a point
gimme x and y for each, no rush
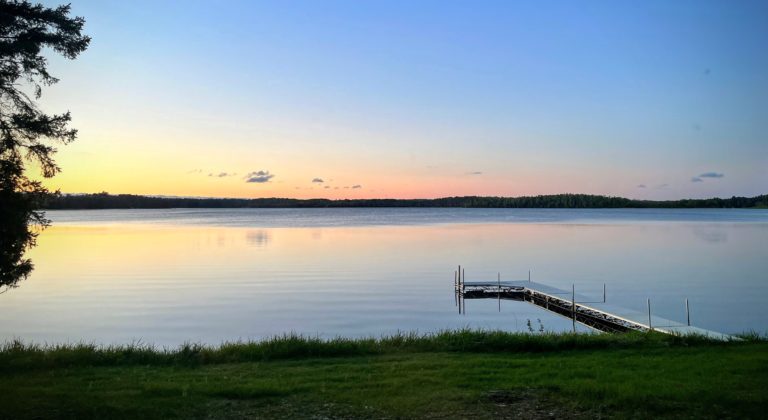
(170, 276)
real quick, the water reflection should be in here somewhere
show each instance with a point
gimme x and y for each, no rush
(258, 238)
(711, 235)
(15, 237)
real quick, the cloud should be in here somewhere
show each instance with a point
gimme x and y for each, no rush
(327, 186)
(661, 186)
(641, 186)
(714, 175)
(357, 186)
(223, 174)
(475, 173)
(195, 171)
(711, 175)
(259, 177)
(319, 180)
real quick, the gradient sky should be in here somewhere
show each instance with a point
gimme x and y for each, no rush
(417, 98)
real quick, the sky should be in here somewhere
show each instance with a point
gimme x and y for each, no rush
(403, 99)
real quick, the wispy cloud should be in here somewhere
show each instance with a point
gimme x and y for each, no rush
(475, 173)
(195, 171)
(223, 174)
(711, 175)
(354, 187)
(259, 177)
(661, 186)
(641, 186)
(318, 180)
(327, 186)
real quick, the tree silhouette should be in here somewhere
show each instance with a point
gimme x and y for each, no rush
(28, 135)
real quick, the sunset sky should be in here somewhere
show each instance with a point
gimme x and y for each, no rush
(405, 99)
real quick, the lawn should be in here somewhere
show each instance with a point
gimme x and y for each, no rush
(490, 375)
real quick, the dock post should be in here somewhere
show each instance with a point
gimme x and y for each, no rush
(687, 312)
(455, 288)
(529, 275)
(603, 292)
(650, 327)
(573, 306)
(498, 277)
(459, 293)
(463, 280)
(460, 298)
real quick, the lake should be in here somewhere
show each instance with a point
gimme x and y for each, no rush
(187, 275)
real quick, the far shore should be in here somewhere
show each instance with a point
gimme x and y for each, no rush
(557, 201)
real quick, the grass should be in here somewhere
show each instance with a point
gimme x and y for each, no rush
(461, 374)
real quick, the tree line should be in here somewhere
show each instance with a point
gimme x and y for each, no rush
(573, 201)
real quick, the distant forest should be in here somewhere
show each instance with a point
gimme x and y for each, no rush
(127, 201)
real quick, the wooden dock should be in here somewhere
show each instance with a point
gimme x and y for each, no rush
(598, 315)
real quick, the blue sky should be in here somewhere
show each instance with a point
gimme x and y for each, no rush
(418, 99)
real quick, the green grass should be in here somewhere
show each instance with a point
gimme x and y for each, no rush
(461, 374)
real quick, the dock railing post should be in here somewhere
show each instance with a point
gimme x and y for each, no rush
(650, 327)
(603, 292)
(687, 312)
(529, 275)
(573, 306)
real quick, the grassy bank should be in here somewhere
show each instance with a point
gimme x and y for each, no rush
(451, 374)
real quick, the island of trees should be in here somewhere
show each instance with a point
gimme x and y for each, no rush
(128, 201)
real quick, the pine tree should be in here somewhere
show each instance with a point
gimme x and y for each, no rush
(27, 134)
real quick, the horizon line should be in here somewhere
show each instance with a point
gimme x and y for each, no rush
(166, 196)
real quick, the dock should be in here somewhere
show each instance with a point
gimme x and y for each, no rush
(595, 314)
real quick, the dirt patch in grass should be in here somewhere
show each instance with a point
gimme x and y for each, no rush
(289, 409)
(531, 403)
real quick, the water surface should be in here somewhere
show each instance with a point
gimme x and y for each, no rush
(170, 276)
